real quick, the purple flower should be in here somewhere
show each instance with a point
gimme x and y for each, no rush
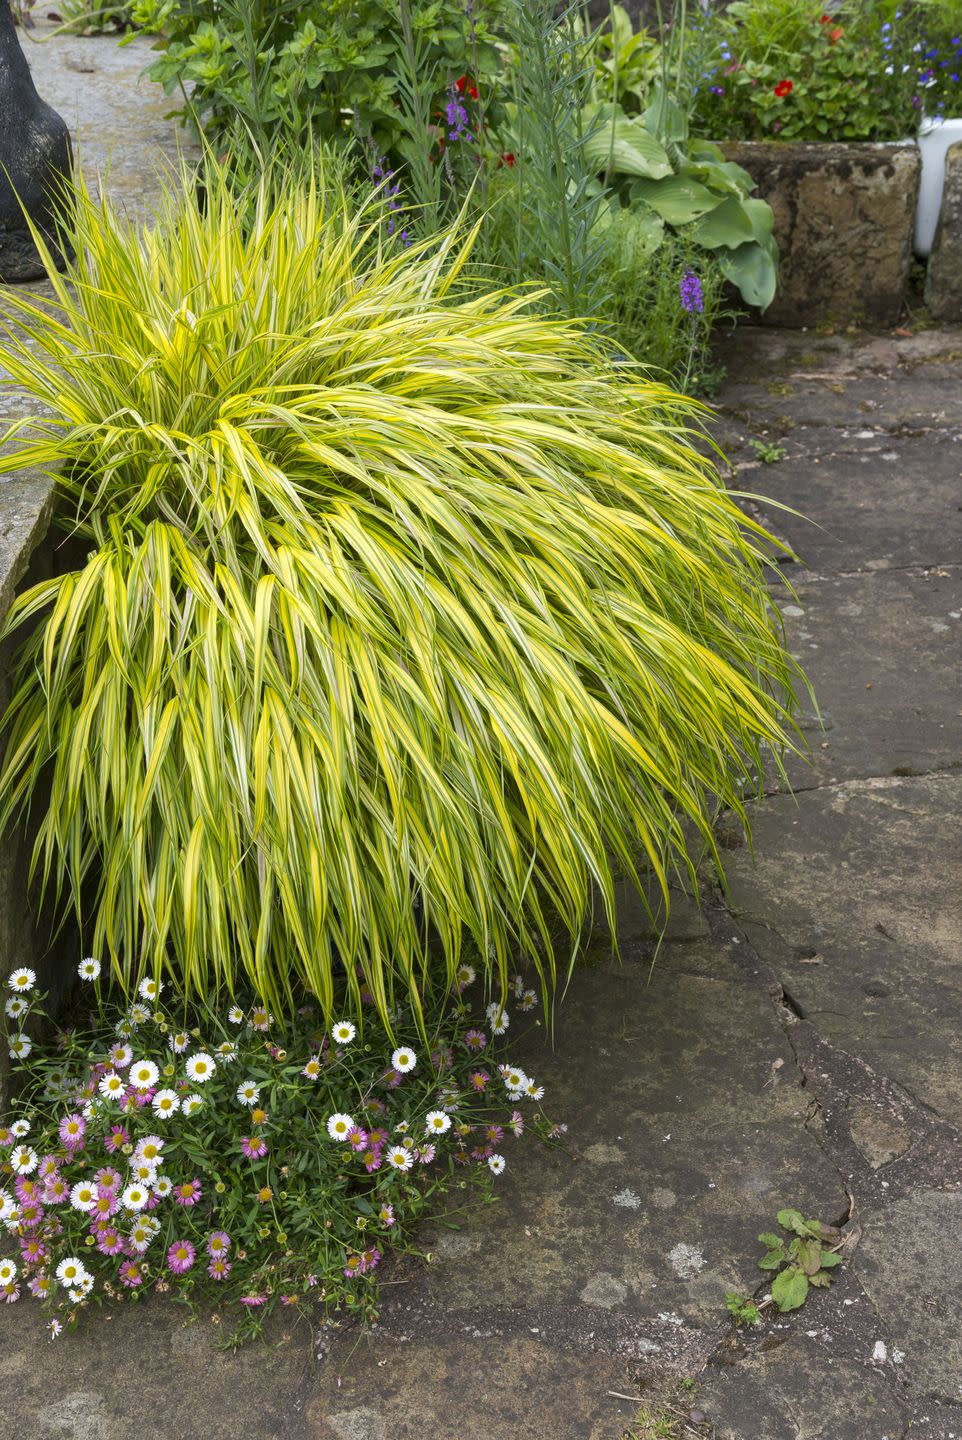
(180, 1256)
(690, 290)
(457, 118)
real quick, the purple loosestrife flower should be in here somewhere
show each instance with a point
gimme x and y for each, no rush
(690, 291)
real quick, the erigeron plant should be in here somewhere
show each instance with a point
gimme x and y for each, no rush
(238, 1161)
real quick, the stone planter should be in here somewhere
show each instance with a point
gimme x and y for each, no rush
(943, 282)
(935, 138)
(844, 220)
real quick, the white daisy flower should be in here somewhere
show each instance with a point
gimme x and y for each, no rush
(399, 1157)
(144, 1074)
(235, 1015)
(71, 1271)
(22, 980)
(534, 1091)
(83, 1196)
(120, 1056)
(89, 969)
(143, 1173)
(248, 1093)
(312, 1069)
(200, 1067)
(150, 1148)
(20, 1128)
(343, 1032)
(498, 1018)
(178, 1043)
(163, 1186)
(8, 1272)
(515, 1080)
(404, 1059)
(20, 1046)
(16, 1006)
(339, 1127)
(135, 1197)
(88, 1109)
(528, 1000)
(191, 1104)
(138, 1015)
(112, 1086)
(150, 989)
(143, 1233)
(464, 976)
(227, 1053)
(437, 1123)
(7, 1205)
(496, 1164)
(165, 1102)
(24, 1160)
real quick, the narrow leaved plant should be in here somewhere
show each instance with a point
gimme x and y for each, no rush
(406, 613)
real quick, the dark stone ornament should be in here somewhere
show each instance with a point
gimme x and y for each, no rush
(35, 160)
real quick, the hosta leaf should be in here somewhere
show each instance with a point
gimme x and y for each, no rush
(621, 143)
(753, 270)
(728, 225)
(677, 199)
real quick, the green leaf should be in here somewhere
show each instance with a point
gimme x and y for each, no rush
(623, 144)
(665, 118)
(727, 225)
(774, 1242)
(790, 1289)
(790, 1219)
(772, 1259)
(830, 1259)
(676, 199)
(754, 271)
(810, 1256)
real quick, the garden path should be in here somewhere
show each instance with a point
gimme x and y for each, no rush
(797, 1044)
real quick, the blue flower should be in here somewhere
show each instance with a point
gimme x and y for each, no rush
(692, 298)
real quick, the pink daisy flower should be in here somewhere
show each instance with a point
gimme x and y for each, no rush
(116, 1140)
(31, 1215)
(48, 1167)
(516, 1125)
(218, 1269)
(218, 1243)
(358, 1139)
(377, 1137)
(188, 1193)
(32, 1250)
(253, 1147)
(480, 1080)
(110, 1242)
(28, 1191)
(475, 1039)
(10, 1294)
(180, 1256)
(253, 1300)
(371, 1257)
(105, 1205)
(71, 1131)
(386, 1215)
(132, 1274)
(107, 1178)
(40, 1287)
(426, 1154)
(494, 1134)
(372, 1159)
(55, 1190)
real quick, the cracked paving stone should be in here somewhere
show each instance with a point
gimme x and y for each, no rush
(799, 1391)
(910, 1265)
(854, 901)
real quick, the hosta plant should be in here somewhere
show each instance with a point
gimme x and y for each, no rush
(405, 611)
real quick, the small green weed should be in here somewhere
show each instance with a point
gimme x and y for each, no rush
(802, 1261)
(768, 452)
(742, 1309)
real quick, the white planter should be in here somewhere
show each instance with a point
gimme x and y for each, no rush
(935, 137)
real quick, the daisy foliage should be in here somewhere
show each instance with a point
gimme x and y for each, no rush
(407, 615)
(305, 1163)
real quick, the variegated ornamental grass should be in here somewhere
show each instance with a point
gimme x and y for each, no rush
(407, 612)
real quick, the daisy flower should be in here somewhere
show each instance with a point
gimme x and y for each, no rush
(464, 976)
(55, 1191)
(218, 1269)
(265, 1195)
(150, 989)
(138, 1015)
(120, 1056)
(500, 1020)
(143, 1173)
(24, 1160)
(218, 1243)
(131, 1274)
(144, 1074)
(475, 1039)
(516, 1123)
(135, 1196)
(83, 1196)
(235, 1015)
(339, 1127)
(528, 1000)
(426, 1154)
(189, 1193)
(191, 1104)
(20, 1128)
(163, 1186)
(261, 1019)
(8, 1205)
(116, 1140)
(165, 1102)
(480, 1080)
(312, 1069)
(71, 1131)
(227, 1052)
(110, 1241)
(515, 1081)
(106, 1178)
(141, 1236)
(496, 1164)
(8, 1272)
(89, 969)
(437, 1123)
(178, 1042)
(248, 1093)
(343, 1032)
(112, 1086)
(403, 1060)
(200, 1067)
(20, 1046)
(533, 1090)
(40, 1286)
(400, 1158)
(180, 1256)
(386, 1215)
(71, 1271)
(16, 1006)
(254, 1147)
(22, 980)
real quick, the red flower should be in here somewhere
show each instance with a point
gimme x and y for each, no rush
(468, 86)
(507, 158)
(836, 34)
(783, 88)
(825, 19)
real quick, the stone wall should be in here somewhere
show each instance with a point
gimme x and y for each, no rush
(844, 217)
(943, 286)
